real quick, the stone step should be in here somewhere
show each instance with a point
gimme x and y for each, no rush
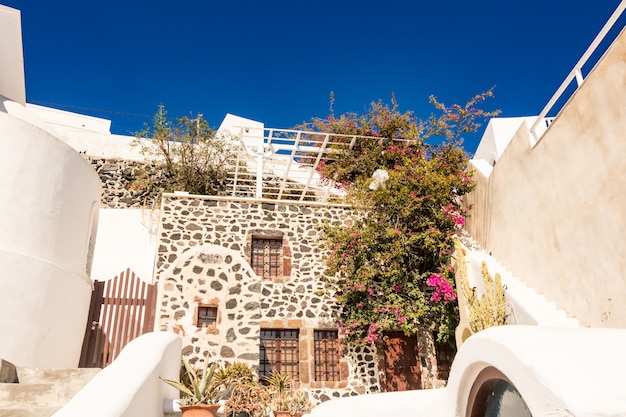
(41, 392)
(37, 394)
(42, 375)
(29, 412)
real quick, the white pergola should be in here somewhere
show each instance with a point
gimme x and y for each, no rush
(282, 164)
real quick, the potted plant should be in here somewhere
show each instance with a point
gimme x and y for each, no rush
(285, 402)
(201, 391)
(247, 398)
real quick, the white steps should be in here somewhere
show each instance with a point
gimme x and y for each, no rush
(525, 305)
(41, 392)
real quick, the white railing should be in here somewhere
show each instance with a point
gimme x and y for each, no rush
(537, 130)
(283, 164)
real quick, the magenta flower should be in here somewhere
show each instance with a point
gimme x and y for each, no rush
(443, 289)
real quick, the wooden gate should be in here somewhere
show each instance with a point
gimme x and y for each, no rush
(402, 366)
(121, 309)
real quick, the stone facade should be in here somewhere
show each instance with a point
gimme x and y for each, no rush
(117, 177)
(203, 259)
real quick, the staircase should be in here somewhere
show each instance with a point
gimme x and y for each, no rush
(524, 304)
(40, 392)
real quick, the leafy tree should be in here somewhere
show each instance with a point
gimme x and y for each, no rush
(191, 155)
(391, 265)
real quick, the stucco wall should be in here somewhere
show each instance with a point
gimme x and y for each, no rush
(555, 214)
(11, 59)
(203, 259)
(48, 217)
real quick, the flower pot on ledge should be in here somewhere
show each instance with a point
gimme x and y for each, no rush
(287, 414)
(200, 410)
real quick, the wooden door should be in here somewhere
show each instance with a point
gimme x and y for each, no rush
(121, 309)
(401, 359)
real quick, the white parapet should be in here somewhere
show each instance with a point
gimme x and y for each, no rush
(545, 365)
(130, 386)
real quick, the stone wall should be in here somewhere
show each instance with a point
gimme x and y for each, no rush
(119, 182)
(203, 260)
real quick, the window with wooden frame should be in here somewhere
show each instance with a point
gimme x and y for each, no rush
(207, 316)
(280, 351)
(326, 355)
(267, 257)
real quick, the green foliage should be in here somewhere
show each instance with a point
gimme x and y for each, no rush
(191, 155)
(391, 265)
(295, 403)
(489, 309)
(279, 382)
(251, 398)
(237, 372)
(284, 398)
(199, 387)
(247, 395)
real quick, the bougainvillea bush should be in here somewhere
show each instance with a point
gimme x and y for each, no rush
(391, 266)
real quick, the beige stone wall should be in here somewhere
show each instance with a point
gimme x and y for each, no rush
(203, 260)
(555, 214)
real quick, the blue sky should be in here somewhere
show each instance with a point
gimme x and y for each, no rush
(276, 61)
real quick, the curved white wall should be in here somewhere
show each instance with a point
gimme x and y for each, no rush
(130, 386)
(47, 197)
(558, 372)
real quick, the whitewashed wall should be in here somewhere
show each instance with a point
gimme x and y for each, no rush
(554, 214)
(48, 217)
(11, 59)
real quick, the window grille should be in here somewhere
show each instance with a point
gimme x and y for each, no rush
(445, 356)
(266, 258)
(207, 316)
(326, 354)
(280, 351)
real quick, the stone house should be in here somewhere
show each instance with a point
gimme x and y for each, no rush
(242, 280)
(240, 277)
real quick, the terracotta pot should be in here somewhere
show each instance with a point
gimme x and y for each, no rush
(286, 414)
(200, 410)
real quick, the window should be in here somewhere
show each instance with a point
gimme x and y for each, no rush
(326, 353)
(445, 356)
(207, 316)
(266, 258)
(280, 352)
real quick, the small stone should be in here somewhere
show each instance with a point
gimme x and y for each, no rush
(227, 352)
(249, 357)
(230, 335)
(251, 306)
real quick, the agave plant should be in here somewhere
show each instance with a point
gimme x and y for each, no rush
(199, 387)
(279, 382)
(284, 398)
